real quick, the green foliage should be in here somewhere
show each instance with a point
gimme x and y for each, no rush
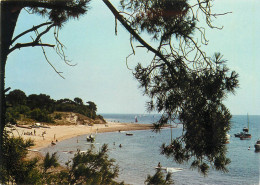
(159, 179)
(195, 98)
(93, 108)
(78, 101)
(12, 115)
(58, 116)
(40, 115)
(63, 12)
(41, 101)
(92, 168)
(87, 168)
(161, 19)
(39, 107)
(16, 97)
(50, 161)
(15, 168)
(182, 81)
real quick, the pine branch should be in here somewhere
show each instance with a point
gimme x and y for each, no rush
(131, 31)
(52, 6)
(29, 30)
(29, 44)
(35, 42)
(42, 4)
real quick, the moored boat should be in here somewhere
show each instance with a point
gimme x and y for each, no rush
(257, 145)
(245, 136)
(90, 138)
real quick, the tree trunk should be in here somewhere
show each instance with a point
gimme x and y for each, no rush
(9, 16)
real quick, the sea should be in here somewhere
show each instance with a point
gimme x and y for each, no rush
(140, 153)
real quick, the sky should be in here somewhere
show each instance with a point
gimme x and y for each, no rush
(101, 74)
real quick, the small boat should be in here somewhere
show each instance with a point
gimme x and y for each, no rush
(136, 119)
(90, 138)
(245, 136)
(169, 169)
(129, 134)
(23, 126)
(257, 145)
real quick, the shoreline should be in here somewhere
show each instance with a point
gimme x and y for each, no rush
(43, 137)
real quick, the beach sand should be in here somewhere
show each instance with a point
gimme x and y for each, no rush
(63, 132)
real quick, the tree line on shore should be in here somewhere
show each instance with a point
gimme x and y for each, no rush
(40, 107)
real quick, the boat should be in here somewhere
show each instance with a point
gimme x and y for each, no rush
(257, 145)
(23, 126)
(91, 138)
(169, 169)
(136, 119)
(245, 135)
(129, 134)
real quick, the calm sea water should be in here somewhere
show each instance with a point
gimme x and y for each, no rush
(140, 153)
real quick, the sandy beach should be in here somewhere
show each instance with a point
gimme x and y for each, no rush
(44, 136)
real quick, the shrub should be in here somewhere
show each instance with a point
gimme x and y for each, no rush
(40, 115)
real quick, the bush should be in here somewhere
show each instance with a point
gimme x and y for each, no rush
(15, 168)
(91, 168)
(40, 115)
(58, 116)
(12, 115)
(159, 178)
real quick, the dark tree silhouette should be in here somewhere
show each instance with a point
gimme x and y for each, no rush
(182, 80)
(78, 100)
(16, 97)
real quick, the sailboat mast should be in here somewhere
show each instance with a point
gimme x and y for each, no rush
(171, 134)
(247, 122)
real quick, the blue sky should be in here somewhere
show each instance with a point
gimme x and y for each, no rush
(101, 74)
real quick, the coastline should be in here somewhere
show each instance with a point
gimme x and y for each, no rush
(63, 132)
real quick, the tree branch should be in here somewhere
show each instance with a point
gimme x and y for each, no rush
(45, 31)
(29, 30)
(35, 42)
(46, 58)
(131, 31)
(41, 4)
(32, 44)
